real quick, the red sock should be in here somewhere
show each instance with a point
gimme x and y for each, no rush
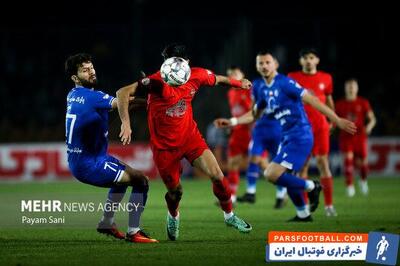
(223, 193)
(348, 171)
(233, 178)
(327, 187)
(305, 193)
(364, 172)
(172, 204)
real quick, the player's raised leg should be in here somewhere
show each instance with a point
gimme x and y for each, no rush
(208, 164)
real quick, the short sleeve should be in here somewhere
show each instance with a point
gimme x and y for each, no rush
(367, 106)
(292, 88)
(101, 100)
(206, 77)
(329, 87)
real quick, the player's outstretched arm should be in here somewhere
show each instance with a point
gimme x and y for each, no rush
(247, 118)
(342, 123)
(241, 84)
(123, 96)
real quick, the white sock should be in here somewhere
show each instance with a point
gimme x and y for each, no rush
(170, 216)
(309, 185)
(251, 190)
(228, 215)
(233, 198)
(280, 194)
(303, 213)
(133, 230)
(107, 220)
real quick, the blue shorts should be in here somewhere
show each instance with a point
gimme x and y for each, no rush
(292, 154)
(264, 139)
(104, 171)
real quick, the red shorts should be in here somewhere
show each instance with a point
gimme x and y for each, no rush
(356, 144)
(239, 142)
(321, 139)
(168, 161)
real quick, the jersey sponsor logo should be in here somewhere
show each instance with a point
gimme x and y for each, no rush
(282, 113)
(178, 109)
(80, 100)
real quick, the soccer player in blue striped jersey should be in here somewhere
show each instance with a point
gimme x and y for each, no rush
(86, 138)
(265, 136)
(283, 100)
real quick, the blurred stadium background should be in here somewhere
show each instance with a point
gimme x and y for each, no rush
(127, 37)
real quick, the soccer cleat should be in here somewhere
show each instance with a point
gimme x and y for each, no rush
(330, 211)
(172, 227)
(279, 203)
(297, 219)
(247, 197)
(110, 230)
(364, 187)
(140, 237)
(350, 191)
(239, 224)
(313, 196)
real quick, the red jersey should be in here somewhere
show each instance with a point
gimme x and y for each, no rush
(355, 111)
(240, 103)
(169, 109)
(320, 85)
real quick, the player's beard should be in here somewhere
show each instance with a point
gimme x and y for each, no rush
(88, 83)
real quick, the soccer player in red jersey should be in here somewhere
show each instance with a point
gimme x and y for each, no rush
(174, 135)
(354, 147)
(319, 84)
(240, 103)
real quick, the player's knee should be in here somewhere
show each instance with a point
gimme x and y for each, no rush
(271, 175)
(141, 186)
(176, 194)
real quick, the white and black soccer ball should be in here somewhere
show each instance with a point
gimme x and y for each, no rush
(175, 71)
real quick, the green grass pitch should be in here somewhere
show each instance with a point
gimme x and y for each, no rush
(204, 238)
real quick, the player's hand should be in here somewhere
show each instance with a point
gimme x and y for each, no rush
(125, 134)
(246, 84)
(347, 126)
(222, 123)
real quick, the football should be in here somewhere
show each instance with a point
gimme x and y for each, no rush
(175, 71)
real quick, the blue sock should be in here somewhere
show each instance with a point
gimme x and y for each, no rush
(137, 202)
(291, 181)
(253, 172)
(115, 195)
(297, 197)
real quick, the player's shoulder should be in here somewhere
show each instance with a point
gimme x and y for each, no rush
(283, 79)
(197, 72)
(295, 74)
(362, 99)
(324, 74)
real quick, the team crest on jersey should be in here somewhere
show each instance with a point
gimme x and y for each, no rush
(177, 110)
(321, 86)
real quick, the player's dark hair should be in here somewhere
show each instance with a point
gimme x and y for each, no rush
(175, 50)
(266, 52)
(74, 62)
(308, 50)
(352, 79)
(233, 67)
